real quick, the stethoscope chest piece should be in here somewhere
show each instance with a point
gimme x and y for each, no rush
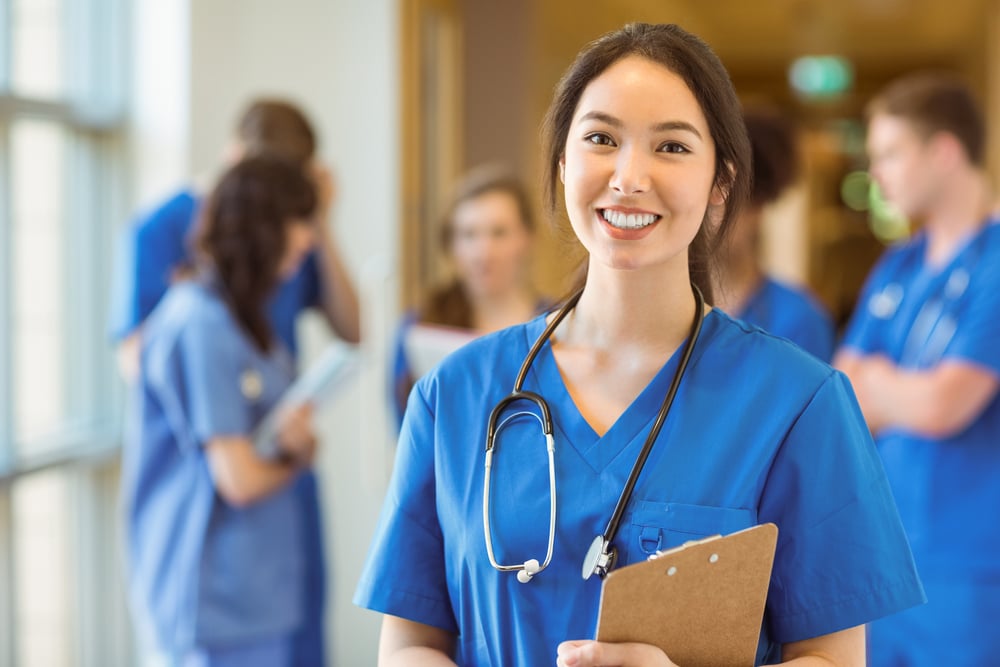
(600, 558)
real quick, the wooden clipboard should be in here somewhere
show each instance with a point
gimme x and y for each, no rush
(702, 602)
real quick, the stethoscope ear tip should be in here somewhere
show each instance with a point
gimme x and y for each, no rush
(531, 568)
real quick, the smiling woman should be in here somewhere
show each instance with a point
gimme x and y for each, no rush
(647, 138)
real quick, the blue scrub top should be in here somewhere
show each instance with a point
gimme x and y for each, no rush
(791, 313)
(204, 573)
(760, 431)
(159, 241)
(919, 316)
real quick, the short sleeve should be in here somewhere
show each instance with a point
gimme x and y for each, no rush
(405, 572)
(978, 327)
(148, 252)
(842, 558)
(213, 365)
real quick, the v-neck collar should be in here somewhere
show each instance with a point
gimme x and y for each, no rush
(570, 425)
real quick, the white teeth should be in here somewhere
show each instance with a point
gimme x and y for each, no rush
(630, 221)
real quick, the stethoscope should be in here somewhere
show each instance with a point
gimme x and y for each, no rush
(602, 554)
(934, 325)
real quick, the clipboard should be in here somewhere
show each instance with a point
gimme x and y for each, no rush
(702, 602)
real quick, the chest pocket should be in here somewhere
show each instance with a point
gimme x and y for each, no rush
(658, 526)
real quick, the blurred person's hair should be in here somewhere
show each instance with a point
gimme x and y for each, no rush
(775, 153)
(935, 102)
(241, 234)
(449, 304)
(278, 127)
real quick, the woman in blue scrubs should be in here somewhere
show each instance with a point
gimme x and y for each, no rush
(743, 289)
(488, 234)
(214, 545)
(923, 353)
(646, 136)
(155, 247)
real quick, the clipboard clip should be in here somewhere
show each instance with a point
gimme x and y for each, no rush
(689, 543)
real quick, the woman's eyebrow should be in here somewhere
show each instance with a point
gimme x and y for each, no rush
(682, 125)
(658, 127)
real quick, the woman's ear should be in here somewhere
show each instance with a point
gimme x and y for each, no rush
(718, 196)
(720, 190)
(562, 169)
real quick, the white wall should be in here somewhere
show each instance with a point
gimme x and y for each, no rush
(338, 59)
(159, 121)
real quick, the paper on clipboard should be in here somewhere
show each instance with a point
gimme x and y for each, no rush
(426, 345)
(702, 603)
(317, 384)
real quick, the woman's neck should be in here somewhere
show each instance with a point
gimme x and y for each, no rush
(619, 310)
(492, 312)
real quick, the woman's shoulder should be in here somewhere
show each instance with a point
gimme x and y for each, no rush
(191, 309)
(740, 347)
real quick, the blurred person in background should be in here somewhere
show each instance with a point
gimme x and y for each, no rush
(742, 288)
(156, 247)
(216, 554)
(922, 353)
(487, 235)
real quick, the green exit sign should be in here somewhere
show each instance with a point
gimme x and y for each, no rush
(821, 76)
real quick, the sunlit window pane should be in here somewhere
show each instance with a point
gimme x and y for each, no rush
(42, 557)
(37, 55)
(39, 304)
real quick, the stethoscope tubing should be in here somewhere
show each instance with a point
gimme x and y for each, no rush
(607, 551)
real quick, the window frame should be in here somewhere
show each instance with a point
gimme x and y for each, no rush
(92, 111)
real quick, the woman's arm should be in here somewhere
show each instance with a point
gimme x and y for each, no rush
(242, 477)
(340, 299)
(405, 643)
(839, 649)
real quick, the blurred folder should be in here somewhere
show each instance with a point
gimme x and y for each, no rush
(702, 603)
(427, 344)
(317, 384)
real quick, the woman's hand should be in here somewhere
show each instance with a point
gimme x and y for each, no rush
(589, 653)
(296, 437)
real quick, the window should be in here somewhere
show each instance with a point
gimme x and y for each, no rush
(61, 122)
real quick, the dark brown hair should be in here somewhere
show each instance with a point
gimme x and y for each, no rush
(241, 234)
(935, 102)
(775, 154)
(449, 305)
(693, 61)
(277, 127)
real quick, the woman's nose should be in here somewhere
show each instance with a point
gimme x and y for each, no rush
(631, 173)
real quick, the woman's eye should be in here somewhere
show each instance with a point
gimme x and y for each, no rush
(673, 147)
(600, 139)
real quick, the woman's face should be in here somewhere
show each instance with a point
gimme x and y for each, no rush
(639, 166)
(300, 236)
(490, 244)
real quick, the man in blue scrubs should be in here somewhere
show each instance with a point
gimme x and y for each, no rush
(743, 289)
(154, 250)
(922, 353)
